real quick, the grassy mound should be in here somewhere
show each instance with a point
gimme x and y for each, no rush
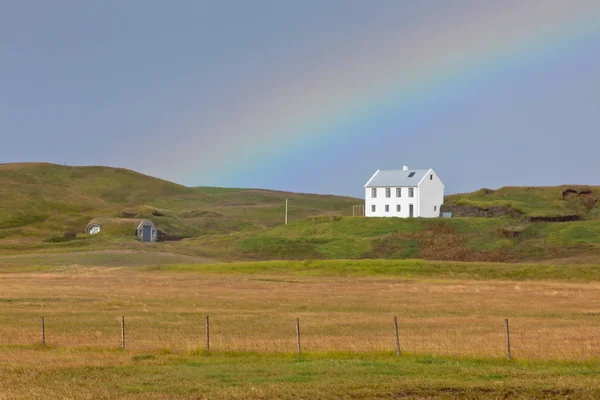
(44, 200)
(550, 202)
(457, 239)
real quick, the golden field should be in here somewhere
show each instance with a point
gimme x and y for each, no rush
(82, 307)
(451, 332)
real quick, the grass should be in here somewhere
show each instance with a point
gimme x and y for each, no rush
(450, 317)
(534, 201)
(252, 376)
(254, 310)
(457, 239)
(401, 269)
(43, 200)
(451, 334)
(451, 283)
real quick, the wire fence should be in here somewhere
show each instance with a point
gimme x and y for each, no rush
(488, 337)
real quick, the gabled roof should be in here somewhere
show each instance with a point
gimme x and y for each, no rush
(397, 178)
(145, 222)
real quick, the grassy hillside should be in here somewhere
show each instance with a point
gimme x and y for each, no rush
(41, 202)
(456, 239)
(567, 200)
(44, 200)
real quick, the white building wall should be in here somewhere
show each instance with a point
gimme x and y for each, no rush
(431, 191)
(427, 200)
(381, 201)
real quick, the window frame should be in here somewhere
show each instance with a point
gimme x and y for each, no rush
(411, 192)
(388, 193)
(387, 208)
(373, 208)
(373, 193)
(398, 192)
(398, 208)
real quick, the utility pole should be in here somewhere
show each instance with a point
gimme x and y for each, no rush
(286, 211)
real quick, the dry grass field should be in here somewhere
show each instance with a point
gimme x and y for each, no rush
(82, 307)
(451, 333)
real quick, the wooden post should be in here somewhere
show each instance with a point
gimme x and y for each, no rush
(397, 336)
(507, 339)
(298, 335)
(123, 333)
(286, 211)
(207, 335)
(43, 333)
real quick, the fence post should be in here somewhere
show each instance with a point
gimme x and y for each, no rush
(43, 333)
(397, 336)
(298, 335)
(507, 339)
(207, 335)
(123, 333)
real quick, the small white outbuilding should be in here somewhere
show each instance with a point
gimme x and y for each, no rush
(404, 193)
(146, 231)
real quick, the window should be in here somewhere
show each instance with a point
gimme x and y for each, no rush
(398, 192)
(374, 193)
(388, 192)
(373, 208)
(430, 177)
(387, 208)
(411, 192)
(434, 208)
(411, 174)
(398, 208)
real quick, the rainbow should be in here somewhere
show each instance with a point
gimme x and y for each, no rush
(382, 75)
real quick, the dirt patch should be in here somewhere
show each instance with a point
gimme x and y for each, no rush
(442, 241)
(562, 218)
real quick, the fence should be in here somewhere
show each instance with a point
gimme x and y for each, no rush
(501, 340)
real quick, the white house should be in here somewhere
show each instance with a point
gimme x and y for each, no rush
(404, 193)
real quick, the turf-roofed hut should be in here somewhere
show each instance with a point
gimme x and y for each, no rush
(93, 228)
(146, 231)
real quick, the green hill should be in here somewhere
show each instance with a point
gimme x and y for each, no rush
(46, 200)
(43, 202)
(456, 239)
(569, 202)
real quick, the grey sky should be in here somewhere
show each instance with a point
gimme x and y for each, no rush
(198, 85)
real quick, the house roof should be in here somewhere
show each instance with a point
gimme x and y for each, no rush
(397, 178)
(145, 222)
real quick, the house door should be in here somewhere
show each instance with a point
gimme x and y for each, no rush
(411, 210)
(147, 236)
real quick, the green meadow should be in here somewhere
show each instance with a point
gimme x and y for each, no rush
(451, 282)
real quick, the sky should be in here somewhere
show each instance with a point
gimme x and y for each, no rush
(308, 96)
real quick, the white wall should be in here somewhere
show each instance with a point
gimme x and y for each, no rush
(381, 201)
(431, 196)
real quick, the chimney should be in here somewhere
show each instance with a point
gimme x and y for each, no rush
(405, 168)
